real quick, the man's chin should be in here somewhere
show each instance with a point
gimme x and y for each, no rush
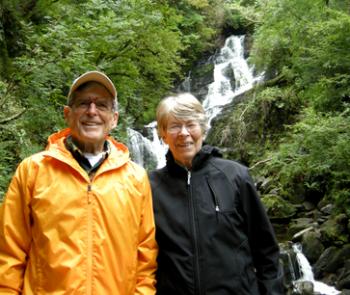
(92, 137)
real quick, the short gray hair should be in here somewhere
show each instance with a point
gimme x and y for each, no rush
(183, 106)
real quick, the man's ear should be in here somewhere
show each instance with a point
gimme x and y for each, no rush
(115, 120)
(66, 113)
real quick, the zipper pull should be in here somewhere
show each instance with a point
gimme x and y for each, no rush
(188, 177)
(217, 209)
(88, 191)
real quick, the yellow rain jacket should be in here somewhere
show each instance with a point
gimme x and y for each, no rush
(62, 233)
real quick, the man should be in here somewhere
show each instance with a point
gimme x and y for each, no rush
(77, 217)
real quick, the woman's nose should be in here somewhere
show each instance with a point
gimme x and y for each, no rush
(183, 129)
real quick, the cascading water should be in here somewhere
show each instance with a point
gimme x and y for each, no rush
(232, 76)
(298, 273)
(147, 152)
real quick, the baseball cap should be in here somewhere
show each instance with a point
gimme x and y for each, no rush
(95, 76)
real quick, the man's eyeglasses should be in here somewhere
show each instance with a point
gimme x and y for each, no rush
(102, 105)
(191, 126)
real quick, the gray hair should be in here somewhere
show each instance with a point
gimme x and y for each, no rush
(183, 106)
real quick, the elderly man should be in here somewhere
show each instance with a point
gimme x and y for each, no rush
(77, 217)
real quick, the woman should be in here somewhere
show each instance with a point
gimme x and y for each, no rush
(213, 233)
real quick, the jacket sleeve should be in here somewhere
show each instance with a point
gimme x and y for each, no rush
(15, 233)
(262, 240)
(147, 248)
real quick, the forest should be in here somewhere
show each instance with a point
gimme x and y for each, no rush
(148, 46)
(292, 129)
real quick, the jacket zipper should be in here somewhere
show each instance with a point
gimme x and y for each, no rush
(89, 241)
(194, 237)
(216, 200)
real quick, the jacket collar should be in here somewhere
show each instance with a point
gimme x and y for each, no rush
(119, 153)
(199, 160)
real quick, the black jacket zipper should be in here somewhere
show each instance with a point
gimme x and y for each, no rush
(194, 236)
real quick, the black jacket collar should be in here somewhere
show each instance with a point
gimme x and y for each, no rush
(200, 159)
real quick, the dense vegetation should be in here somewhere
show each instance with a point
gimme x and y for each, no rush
(293, 129)
(144, 46)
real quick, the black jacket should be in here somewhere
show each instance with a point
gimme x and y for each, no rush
(213, 233)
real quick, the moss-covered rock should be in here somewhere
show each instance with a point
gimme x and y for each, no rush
(277, 208)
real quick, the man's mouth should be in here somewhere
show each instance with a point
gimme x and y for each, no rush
(91, 123)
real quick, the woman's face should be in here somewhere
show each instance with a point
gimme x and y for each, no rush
(184, 138)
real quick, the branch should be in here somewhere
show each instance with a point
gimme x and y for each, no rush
(15, 116)
(9, 89)
(260, 162)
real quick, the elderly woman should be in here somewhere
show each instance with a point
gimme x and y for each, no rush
(213, 233)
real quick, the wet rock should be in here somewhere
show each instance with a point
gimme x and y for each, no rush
(312, 246)
(304, 288)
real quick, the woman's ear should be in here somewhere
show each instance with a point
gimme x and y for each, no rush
(164, 139)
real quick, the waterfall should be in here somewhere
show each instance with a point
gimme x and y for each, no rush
(232, 76)
(308, 276)
(159, 147)
(298, 272)
(149, 153)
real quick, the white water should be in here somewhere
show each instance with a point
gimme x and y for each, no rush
(159, 147)
(230, 65)
(307, 275)
(142, 147)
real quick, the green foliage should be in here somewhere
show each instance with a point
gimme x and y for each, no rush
(143, 45)
(323, 66)
(315, 158)
(310, 39)
(302, 47)
(256, 124)
(241, 15)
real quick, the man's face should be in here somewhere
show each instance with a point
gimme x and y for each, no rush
(91, 117)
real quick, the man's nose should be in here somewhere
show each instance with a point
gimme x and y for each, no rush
(92, 107)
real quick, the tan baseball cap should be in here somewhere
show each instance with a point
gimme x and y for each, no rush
(93, 76)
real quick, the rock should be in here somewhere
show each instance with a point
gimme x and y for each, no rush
(312, 246)
(278, 208)
(300, 224)
(322, 262)
(344, 277)
(337, 261)
(299, 235)
(334, 230)
(309, 206)
(304, 288)
(327, 209)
